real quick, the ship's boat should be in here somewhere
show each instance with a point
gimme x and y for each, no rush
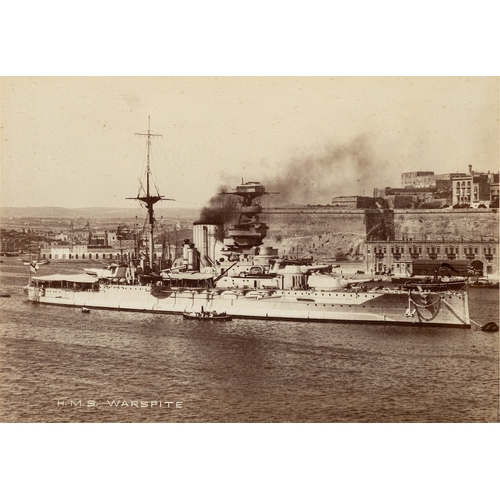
(228, 268)
(490, 327)
(207, 316)
(484, 283)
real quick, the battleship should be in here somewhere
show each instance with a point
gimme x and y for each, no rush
(227, 270)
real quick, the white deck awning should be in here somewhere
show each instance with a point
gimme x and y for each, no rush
(72, 278)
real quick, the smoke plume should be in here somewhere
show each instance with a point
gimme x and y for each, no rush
(221, 208)
(347, 170)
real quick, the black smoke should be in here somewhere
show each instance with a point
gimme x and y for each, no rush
(344, 170)
(221, 208)
(339, 170)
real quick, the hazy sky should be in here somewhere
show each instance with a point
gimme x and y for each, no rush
(70, 141)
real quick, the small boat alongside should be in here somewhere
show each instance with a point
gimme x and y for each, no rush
(490, 327)
(431, 284)
(85, 310)
(205, 315)
(483, 283)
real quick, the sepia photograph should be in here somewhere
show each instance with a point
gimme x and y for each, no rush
(249, 249)
(255, 247)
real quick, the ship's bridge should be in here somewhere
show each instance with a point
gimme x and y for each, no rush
(251, 187)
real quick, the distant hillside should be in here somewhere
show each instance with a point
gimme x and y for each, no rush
(96, 212)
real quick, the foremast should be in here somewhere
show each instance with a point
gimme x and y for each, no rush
(148, 199)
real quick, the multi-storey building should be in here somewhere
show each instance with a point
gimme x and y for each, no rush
(357, 202)
(418, 179)
(126, 251)
(494, 194)
(397, 256)
(462, 190)
(408, 197)
(474, 188)
(480, 188)
(84, 252)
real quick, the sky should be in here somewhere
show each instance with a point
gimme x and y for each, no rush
(69, 141)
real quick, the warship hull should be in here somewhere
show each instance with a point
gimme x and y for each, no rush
(448, 309)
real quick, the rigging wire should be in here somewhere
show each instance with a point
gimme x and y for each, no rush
(153, 171)
(142, 179)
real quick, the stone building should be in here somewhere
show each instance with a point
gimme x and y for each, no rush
(397, 256)
(126, 251)
(461, 190)
(407, 197)
(444, 185)
(474, 188)
(418, 179)
(480, 188)
(358, 202)
(494, 193)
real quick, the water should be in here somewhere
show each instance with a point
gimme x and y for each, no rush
(59, 365)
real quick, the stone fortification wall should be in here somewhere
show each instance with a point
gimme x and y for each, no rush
(322, 232)
(326, 232)
(312, 221)
(449, 224)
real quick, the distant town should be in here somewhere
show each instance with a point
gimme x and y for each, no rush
(426, 190)
(450, 217)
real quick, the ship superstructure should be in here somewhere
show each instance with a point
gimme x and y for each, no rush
(249, 231)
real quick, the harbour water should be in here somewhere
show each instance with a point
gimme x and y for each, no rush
(59, 365)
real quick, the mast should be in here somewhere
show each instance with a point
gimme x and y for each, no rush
(148, 199)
